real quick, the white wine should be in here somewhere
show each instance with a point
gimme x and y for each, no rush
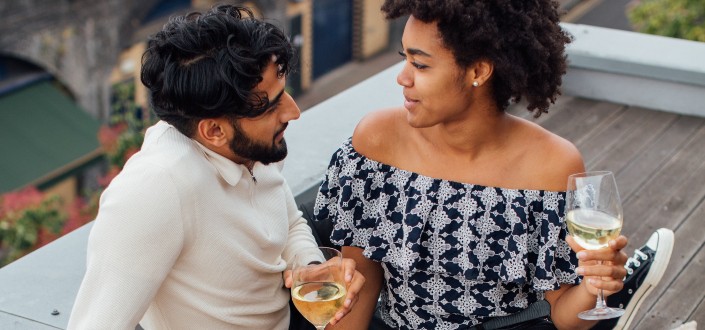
(592, 229)
(318, 301)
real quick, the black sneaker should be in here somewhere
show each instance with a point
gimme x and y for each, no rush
(644, 271)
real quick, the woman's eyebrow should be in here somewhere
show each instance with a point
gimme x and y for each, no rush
(415, 51)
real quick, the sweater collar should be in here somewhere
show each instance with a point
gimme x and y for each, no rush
(230, 171)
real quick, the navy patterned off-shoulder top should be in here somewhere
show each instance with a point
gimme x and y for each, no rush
(453, 254)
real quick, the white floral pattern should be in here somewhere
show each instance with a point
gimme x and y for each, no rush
(453, 254)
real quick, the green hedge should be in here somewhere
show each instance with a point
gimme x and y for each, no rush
(684, 19)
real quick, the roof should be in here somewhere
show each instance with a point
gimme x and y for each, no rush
(43, 134)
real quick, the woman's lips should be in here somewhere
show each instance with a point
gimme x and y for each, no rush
(409, 103)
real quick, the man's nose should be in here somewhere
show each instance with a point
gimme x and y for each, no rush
(290, 109)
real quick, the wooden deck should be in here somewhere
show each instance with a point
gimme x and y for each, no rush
(659, 162)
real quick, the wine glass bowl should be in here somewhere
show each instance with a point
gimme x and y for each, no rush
(318, 290)
(593, 229)
(594, 217)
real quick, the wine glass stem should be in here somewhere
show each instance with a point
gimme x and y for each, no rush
(600, 297)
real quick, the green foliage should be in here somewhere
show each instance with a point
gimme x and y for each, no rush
(124, 108)
(128, 143)
(28, 220)
(124, 134)
(684, 19)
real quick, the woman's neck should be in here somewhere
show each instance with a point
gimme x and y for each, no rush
(473, 135)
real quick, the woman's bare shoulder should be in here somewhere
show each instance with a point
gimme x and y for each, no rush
(377, 134)
(552, 158)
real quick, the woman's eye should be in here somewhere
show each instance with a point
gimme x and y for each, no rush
(415, 64)
(419, 65)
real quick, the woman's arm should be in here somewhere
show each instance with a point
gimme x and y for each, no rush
(570, 300)
(360, 316)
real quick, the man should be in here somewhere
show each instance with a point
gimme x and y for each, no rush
(197, 230)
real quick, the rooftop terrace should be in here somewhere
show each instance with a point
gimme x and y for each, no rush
(633, 104)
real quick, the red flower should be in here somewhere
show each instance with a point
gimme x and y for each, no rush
(108, 135)
(21, 199)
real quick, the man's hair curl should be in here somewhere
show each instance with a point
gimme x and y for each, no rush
(207, 65)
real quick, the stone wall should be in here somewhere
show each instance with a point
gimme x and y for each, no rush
(79, 41)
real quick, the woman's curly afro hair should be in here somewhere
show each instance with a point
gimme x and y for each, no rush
(521, 38)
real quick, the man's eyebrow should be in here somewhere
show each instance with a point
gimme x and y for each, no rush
(276, 99)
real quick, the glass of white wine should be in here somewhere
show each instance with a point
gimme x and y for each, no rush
(318, 290)
(594, 217)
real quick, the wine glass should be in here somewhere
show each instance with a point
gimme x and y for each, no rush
(318, 290)
(594, 217)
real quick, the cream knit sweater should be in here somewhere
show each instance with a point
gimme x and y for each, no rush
(186, 239)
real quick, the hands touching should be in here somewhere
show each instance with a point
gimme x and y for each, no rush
(354, 281)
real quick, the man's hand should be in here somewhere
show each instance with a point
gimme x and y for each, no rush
(353, 283)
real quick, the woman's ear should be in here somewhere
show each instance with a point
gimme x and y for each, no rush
(479, 73)
(213, 132)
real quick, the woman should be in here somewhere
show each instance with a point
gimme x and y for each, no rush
(452, 208)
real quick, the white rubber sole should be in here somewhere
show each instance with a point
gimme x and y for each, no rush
(658, 268)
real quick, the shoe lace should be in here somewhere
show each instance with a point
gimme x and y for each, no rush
(635, 261)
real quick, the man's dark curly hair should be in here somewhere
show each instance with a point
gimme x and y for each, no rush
(521, 38)
(207, 66)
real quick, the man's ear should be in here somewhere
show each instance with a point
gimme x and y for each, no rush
(479, 73)
(213, 131)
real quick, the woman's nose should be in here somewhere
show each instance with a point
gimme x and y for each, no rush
(404, 77)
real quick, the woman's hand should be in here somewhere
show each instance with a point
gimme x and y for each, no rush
(608, 275)
(354, 282)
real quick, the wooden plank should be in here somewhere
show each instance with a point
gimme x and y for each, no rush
(689, 242)
(602, 140)
(667, 198)
(681, 290)
(699, 314)
(638, 171)
(571, 117)
(635, 142)
(581, 117)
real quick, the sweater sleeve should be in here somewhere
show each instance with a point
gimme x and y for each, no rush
(299, 231)
(134, 242)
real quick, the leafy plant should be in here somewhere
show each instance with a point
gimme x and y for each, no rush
(123, 135)
(28, 220)
(684, 19)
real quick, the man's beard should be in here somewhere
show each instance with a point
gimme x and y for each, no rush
(243, 146)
